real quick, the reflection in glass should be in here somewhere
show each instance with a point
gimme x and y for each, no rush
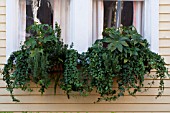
(39, 11)
(110, 10)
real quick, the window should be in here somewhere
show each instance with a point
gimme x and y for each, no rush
(81, 21)
(130, 13)
(40, 12)
(143, 14)
(24, 13)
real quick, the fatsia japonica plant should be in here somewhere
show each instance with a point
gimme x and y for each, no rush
(113, 66)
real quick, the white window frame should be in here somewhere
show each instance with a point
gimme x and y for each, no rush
(81, 24)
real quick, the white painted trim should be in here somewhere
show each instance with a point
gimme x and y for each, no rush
(154, 25)
(151, 23)
(11, 26)
(100, 18)
(81, 24)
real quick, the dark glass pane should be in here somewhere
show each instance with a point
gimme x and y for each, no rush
(45, 12)
(110, 10)
(127, 13)
(109, 13)
(29, 13)
(39, 11)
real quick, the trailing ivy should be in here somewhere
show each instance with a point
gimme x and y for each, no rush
(40, 60)
(113, 66)
(119, 62)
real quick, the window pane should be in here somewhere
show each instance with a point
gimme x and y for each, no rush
(39, 11)
(131, 13)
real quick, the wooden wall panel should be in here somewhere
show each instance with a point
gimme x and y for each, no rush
(164, 26)
(2, 2)
(89, 107)
(164, 9)
(2, 18)
(2, 9)
(164, 34)
(2, 27)
(164, 1)
(2, 33)
(2, 51)
(164, 42)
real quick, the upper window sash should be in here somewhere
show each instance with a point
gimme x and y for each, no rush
(81, 24)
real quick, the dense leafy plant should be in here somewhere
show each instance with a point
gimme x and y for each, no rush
(122, 59)
(40, 60)
(114, 65)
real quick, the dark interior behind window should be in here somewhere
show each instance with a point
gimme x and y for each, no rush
(110, 10)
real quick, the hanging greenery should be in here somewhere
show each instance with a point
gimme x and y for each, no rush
(40, 60)
(114, 65)
(120, 61)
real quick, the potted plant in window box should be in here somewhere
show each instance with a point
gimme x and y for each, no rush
(40, 60)
(119, 63)
(116, 64)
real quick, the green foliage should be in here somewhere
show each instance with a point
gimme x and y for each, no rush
(40, 60)
(116, 64)
(122, 59)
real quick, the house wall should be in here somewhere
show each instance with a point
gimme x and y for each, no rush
(142, 103)
(2, 32)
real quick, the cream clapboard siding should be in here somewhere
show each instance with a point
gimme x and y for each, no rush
(142, 103)
(2, 32)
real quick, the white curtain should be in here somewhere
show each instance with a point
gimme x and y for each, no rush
(21, 22)
(137, 18)
(98, 19)
(61, 16)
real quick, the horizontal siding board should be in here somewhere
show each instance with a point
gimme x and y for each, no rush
(2, 18)
(164, 17)
(2, 43)
(2, 59)
(1, 66)
(164, 34)
(86, 107)
(59, 99)
(2, 52)
(164, 51)
(2, 35)
(167, 59)
(164, 26)
(2, 27)
(2, 2)
(2, 10)
(167, 82)
(50, 92)
(164, 9)
(164, 43)
(164, 1)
